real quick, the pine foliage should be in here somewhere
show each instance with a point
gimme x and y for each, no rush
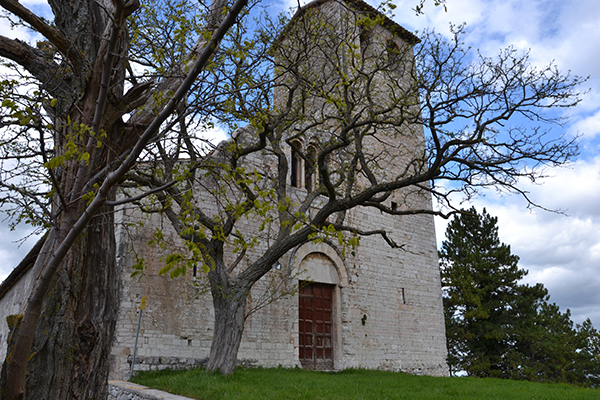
(498, 327)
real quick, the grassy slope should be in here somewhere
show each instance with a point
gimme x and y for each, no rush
(291, 384)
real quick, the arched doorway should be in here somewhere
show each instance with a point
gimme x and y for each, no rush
(321, 275)
(315, 325)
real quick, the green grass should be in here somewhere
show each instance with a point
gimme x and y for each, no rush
(291, 384)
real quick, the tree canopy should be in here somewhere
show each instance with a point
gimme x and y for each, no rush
(498, 327)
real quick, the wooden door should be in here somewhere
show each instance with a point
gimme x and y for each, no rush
(315, 326)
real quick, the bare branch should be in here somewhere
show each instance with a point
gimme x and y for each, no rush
(53, 35)
(140, 196)
(33, 60)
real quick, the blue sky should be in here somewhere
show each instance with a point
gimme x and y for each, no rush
(562, 251)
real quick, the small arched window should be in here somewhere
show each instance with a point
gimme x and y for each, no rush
(297, 173)
(393, 53)
(304, 166)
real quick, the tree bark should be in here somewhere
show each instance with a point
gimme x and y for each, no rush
(70, 355)
(229, 302)
(74, 335)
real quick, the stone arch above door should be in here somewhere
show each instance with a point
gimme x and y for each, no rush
(323, 275)
(319, 262)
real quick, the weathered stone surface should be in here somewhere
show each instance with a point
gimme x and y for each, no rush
(397, 290)
(121, 390)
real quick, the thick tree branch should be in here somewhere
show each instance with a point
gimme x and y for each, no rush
(53, 35)
(140, 196)
(381, 232)
(108, 55)
(33, 60)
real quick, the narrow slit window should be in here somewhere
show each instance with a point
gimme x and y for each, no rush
(295, 167)
(297, 173)
(365, 38)
(309, 170)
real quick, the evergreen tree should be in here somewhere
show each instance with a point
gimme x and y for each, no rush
(497, 327)
(588, 363)
(479, 276)
(549, 348)
(545, 346)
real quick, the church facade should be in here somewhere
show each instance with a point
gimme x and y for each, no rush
(375, 307)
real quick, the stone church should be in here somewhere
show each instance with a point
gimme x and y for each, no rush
(376, 307)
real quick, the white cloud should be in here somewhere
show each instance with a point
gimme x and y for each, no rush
(287, 5)
(38, 7)
(17, 32)
(215, 135)
(579, 33)
(588, 126)
(458, 12)
(562, 251)
(12, 248)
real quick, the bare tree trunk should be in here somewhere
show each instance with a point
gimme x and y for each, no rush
(73, 338)
(74, 335)
(230, 309)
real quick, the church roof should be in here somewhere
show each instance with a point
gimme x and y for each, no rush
(361, 6)
(20, 270)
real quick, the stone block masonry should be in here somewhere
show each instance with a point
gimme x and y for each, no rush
(388, 316)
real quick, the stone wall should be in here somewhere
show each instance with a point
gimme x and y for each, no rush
(177, 324)
(14, 292)
(390, 308)
(397, 293)
(121, 390)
